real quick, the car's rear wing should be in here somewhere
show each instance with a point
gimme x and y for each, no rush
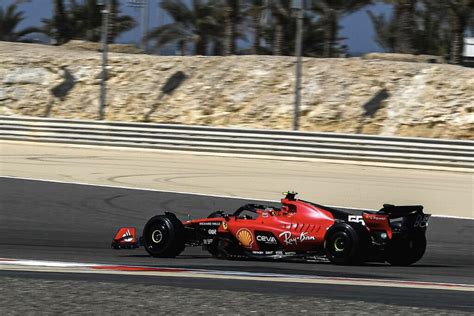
(387, 219)
(400, 211)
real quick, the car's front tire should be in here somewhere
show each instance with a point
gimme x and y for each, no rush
(347, 244)
(163, 236)
(404, 251)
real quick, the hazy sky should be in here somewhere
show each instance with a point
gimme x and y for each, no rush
(357, 27)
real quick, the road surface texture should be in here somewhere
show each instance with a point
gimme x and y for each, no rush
(75, 223)
(441, 192)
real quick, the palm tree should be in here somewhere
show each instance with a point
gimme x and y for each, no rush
(280, 30)
(385, 31)
(9, 21)
(405, 15)
(196, 24)
(118, 23)
(438, 27)
(232, 17)
(84, 21)
(281, 14)
(313, 37)
(330, 13)
(254, 11)
(62, 32)
(460, 13)
(404, 24)
(426, 34)
(432, 36)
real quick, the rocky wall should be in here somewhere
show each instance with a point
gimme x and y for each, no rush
(339, 95)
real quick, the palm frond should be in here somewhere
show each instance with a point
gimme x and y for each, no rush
(124, 23)
(29, 30)
(385, 31)
(172, 32)
(178, 10)
(9, 21)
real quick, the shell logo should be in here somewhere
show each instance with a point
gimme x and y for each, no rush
(245, 237)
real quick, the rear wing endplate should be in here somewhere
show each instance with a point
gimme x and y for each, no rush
(400, 211)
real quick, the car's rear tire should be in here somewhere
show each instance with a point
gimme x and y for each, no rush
(347, 244)
(164, 236)
(404, 251)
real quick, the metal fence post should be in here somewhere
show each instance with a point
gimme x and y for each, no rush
(298, 51)
(103, 82)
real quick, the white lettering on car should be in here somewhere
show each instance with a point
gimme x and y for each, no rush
(207, 241)
(209, 224)
(421, 221)
(267, 239)
(289, 239)
(356, 219)
(376, 218)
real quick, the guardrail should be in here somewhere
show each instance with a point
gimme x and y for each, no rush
(372, 148)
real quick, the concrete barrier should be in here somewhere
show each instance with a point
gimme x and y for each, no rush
(370, 148)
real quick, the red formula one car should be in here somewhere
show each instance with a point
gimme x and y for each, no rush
(296, 229)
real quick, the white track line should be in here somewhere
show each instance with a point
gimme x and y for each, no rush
(198, 194)
(71, 267)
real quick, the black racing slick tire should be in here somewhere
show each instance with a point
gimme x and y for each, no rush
(404, 251)
(164, 236)
(347, 244)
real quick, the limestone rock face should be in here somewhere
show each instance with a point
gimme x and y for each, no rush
(92, 46)
(406, 57)
(27, 75)
(420, 99)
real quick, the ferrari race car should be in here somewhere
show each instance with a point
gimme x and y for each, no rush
(296, 229)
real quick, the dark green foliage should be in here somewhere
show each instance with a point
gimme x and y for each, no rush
(9, 21)
(83, 21)
(282, 22)
(461, 13)
(436, 27)
(313, 34)
(432, 35)
(232, 17)
(253, 12)
(330, 13)
(412, 28)
(197, 24)
(214, 26)
(385, 31)
(222, 22)
(62, 29)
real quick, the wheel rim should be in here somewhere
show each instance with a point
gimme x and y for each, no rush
(339, 244)
(157, 236)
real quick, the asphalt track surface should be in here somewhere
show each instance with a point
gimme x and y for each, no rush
(69, 222)
(441, 192)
